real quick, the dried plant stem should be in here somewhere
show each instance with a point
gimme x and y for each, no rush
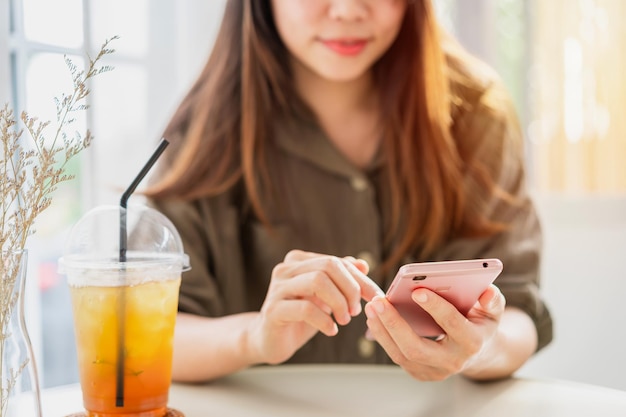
(31, 170)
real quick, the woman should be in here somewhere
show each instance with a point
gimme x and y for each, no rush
(325, 144)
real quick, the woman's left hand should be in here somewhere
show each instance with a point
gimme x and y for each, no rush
(460, 350)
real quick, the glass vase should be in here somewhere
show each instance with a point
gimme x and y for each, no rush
(19, 386)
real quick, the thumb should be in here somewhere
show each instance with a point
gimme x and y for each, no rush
(492, 300)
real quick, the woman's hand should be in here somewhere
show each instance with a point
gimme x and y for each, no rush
(465, 348)
(308, 293)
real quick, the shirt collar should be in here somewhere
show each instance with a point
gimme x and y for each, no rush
(306, 140)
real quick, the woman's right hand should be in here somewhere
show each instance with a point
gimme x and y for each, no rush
(308, 292)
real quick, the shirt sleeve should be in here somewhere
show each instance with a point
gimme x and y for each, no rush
(489, 133)
(208, 230)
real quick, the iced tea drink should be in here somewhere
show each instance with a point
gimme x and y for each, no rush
(124, 284)
(149, 314)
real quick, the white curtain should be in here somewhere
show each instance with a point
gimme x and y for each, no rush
(578, 96)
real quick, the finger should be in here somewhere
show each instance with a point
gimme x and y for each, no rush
(378, 332)
(294, 311)
(297, 255)
(395, 335)
(453, 323)
(361, 264)
(461, 337)
(336, 270)
(317, 285)
(369, 289)
(492, 302)
(322, 272)
(358, 268)
(424, 358)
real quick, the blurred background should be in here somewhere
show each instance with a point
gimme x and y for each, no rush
(563, 61)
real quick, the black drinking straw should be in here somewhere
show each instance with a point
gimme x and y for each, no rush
(121, 307)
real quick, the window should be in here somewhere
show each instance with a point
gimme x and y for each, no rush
(497, 33)
(36, 46)
(578, 93)
(161, 47)
(566, 79)
(4, 52)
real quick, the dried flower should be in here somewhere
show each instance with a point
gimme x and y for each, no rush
(30, 171)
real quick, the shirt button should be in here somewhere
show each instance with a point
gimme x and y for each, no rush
(369, 258)
(366, 348)
(359, 183)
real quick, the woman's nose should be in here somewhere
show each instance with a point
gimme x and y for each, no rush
(348, 10)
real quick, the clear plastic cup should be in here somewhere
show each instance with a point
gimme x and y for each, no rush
(124, 311)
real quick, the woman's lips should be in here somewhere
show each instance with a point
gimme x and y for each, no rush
(348, 47)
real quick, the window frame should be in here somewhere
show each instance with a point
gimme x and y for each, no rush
(5, 83)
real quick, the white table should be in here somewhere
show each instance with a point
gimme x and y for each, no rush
(364, 390)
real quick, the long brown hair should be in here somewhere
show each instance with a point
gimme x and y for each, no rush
(221, 127)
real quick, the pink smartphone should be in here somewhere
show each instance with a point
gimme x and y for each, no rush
(459, 282)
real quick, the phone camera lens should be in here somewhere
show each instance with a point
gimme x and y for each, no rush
(485, 265)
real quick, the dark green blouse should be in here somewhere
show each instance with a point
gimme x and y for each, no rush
(329, 206)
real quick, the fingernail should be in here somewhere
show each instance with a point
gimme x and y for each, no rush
(493, 302)
(368, 335)
(379, 293)
(356, 309)
(420, 297)
(378, 305)
(346, 319)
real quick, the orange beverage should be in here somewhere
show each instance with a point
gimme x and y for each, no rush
(148, 314)
(124, 267)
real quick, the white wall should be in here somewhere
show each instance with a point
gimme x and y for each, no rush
(134, 105)
(584, 282)
(181, 41)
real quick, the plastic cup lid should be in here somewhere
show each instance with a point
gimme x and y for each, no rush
(152, 242)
